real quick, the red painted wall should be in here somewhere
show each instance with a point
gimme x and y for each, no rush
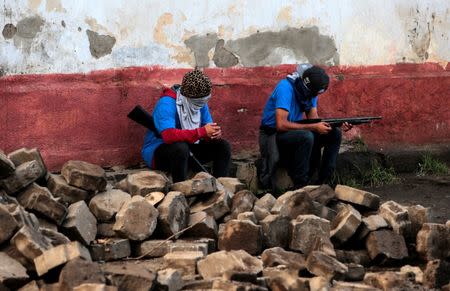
(83, 116)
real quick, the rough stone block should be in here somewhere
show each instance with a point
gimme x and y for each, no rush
(319, 284)
(241, 235)
(371, 223)
(418, 215)
(345, 224)
(136, 220)
(173, 213)
(321, 264)
(293, 204)
(31, 286)
(360, 257)
(154, 198)
(84, 175)
(260, 213)
(324, 212)
(110, 249)
(311, 233)
(278, 256)
(216, 264)
(153, 248)
(433, 241)
(23, 155)
(105, 205)
(106, 230)
(54, 237)
(386, 245)
(80, 223)
(79, 271)
(436, 274)
(350, 286)
(285, 280)
(390, 281)
(222, 284)
(184, 261)
(129, 276)
(170, 280)
(322, 194)
(23, 217)
(68, 194)
(196, 186)
(232, 184)
(145, 182)
(266, 202)
(216, 205)
(7, 224)
(6, 166)
(397, 217)
(418, 273)
(95, 287)
(247, 173)
(39, 199)
(12, 273)
(355, 272)
(24, 175)
(202, 225)
(60, 255)
(30, 242)
(249, 215)
(242, 201)
(276, 231)
(358, 197)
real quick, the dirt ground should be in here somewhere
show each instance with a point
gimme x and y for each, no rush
(429, 191)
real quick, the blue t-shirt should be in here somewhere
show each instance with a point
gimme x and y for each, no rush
(284, 97)
(165, 116)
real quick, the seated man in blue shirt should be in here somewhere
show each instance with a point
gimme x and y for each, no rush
(298, 146)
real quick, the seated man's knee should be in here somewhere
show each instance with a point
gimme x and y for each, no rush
(336, 134)
(223, 147)
(180, 150)
(305, 137)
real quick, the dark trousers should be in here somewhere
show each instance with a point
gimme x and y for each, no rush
(300, 152)
(174, 158)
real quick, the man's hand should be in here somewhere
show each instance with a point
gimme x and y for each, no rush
(346, 126)
(322, 128)
(213, 130)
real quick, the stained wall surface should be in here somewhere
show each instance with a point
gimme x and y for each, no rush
(71, 70)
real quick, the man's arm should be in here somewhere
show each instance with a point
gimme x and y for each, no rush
(283, 124)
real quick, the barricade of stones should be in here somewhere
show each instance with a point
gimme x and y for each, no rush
(77, 231)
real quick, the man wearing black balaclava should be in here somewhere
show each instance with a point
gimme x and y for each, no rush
(298, 146)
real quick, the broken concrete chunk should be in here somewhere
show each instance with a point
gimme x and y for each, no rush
(311, 233)
(322, 194)
(145, 182)
(319, 283)
(293, 204)
(433, 242)
(7, 224)
(345, 224)
(260, 213)
(202, 225)
(173, 213)
(249, 215)
(321, 264)
(6, 166)
(106, 229)
(360, 257)
(30, 242)
(418, 273)
(81, 223)
(285, 280)
(196, 186)
(276, 231)
(12, 273)
(54, 237)
(389, 280)
(155, 197)
(24, 175)
(436, 274)
(39, 199)
(153, 248)
(242, 201)
(278, 256)
(233, 185)
(23, 217)
(216, 264)
(136, 220)
(169, 279)
(324, 212)
(95, 287)
(84, 175)
(358, 197)
(23, 155)
(350, 286)
(386, 245)
(241, 235)
(106, 204)
(266, 202)
(397, 217)
(79, 271)
(110, 249)
(129, 276)
(355, 272)
(68, 194)
(184, 261)
(60, 255)
(216, 205)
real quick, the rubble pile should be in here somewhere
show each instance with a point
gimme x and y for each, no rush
(78, 230)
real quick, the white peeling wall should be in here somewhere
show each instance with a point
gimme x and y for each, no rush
(62, 36)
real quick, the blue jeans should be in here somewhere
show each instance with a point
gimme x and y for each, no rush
(300, 152)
